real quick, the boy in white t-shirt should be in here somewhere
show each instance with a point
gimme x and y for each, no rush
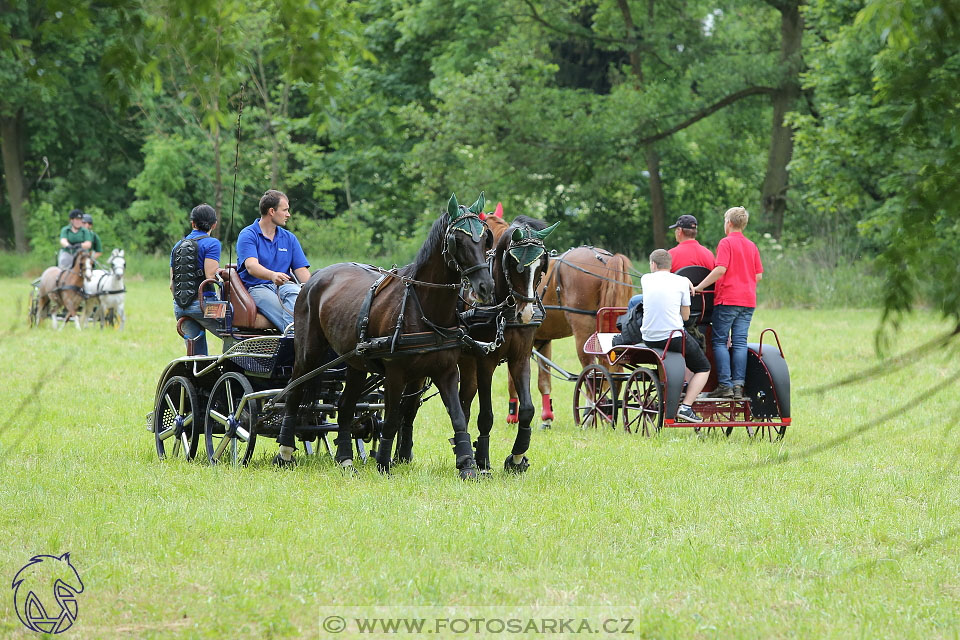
(666, 304)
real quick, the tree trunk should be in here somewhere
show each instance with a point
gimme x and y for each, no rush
(658, 206)
(777, 180)
(11, 146)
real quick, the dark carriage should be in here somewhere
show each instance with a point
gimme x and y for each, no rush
(230, 400)
(646, 394)
(363, 335)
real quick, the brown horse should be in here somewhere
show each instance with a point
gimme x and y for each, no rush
(518, 262)
(348, 304)
(62, 289)
(578, 282)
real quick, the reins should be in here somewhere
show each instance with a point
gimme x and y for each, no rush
(597, 276)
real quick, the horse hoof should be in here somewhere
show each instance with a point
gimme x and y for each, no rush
(511, 467)
(384, 469)
(546, 424)
(349, 470)
(469, 473)
(513, 419)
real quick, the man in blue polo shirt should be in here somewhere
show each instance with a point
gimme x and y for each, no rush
(266, 252)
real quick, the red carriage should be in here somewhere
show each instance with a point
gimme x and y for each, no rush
(640, 387)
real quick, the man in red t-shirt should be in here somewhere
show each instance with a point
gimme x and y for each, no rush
(737, 272)
(688, 251)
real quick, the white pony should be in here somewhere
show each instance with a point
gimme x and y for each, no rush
(107, 287)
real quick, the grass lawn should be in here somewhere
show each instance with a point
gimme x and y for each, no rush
(689, 537)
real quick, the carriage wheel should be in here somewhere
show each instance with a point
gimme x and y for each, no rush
(176, 429)
(771, 431)
(229, 428)
(595, 398)
(643, 403)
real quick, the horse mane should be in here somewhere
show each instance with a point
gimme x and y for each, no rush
(434, 238)
(534, 223)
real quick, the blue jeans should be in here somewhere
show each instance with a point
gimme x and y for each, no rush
(634, 301)
(268, 303)
(194, 327)
(731, 364)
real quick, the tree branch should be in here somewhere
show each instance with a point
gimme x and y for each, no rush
(700, 115)
(535, 15)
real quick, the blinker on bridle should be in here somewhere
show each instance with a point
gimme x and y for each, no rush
(466, 220)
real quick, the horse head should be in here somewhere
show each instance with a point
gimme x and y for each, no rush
(466, 242)
(118, 263)
(83, 265)
(523, 259)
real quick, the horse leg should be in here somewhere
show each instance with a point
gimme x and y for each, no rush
(392, 395)
(346, 412)
(512, 406)
(448, 388)
(517, 462)
(122, 314)
(481, 381)
(409, 406)
(543, 384)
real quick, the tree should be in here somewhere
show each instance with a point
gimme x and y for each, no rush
(50, 95)
(263, 44)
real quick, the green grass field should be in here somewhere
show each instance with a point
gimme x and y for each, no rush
(692, 538)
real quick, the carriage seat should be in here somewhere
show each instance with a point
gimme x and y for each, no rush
(245, 315)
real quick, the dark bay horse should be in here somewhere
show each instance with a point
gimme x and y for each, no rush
(519, 261)
(342, 303)
(577, 283)
(63, 289)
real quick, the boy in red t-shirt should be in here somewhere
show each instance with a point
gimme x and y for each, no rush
(737, 272)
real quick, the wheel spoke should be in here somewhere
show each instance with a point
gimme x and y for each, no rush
(219, 417)
(224, 441)
(175, 449)
(166, 433)
(243, 434)
(229, 393)
(169, 401)
(186, 443)
(188, 419)
(183, 401)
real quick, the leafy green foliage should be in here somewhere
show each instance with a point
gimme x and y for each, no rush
(882, 154)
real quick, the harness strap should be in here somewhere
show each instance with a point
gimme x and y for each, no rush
(363, 319)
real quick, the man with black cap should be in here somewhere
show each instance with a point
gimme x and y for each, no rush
(96, 249)
(688, 251)
(73, 237)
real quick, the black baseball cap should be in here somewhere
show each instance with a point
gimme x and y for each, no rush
(88, 218)
(76, 213)
(684, 222)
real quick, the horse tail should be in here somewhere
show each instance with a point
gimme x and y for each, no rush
(617, 287)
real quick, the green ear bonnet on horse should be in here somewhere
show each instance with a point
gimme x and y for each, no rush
(526, 245)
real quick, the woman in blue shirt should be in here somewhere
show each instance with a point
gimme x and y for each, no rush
(191, 271)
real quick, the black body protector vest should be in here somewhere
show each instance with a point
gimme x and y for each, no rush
(187, 275)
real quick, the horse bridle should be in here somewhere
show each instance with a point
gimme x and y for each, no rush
(470, 224)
